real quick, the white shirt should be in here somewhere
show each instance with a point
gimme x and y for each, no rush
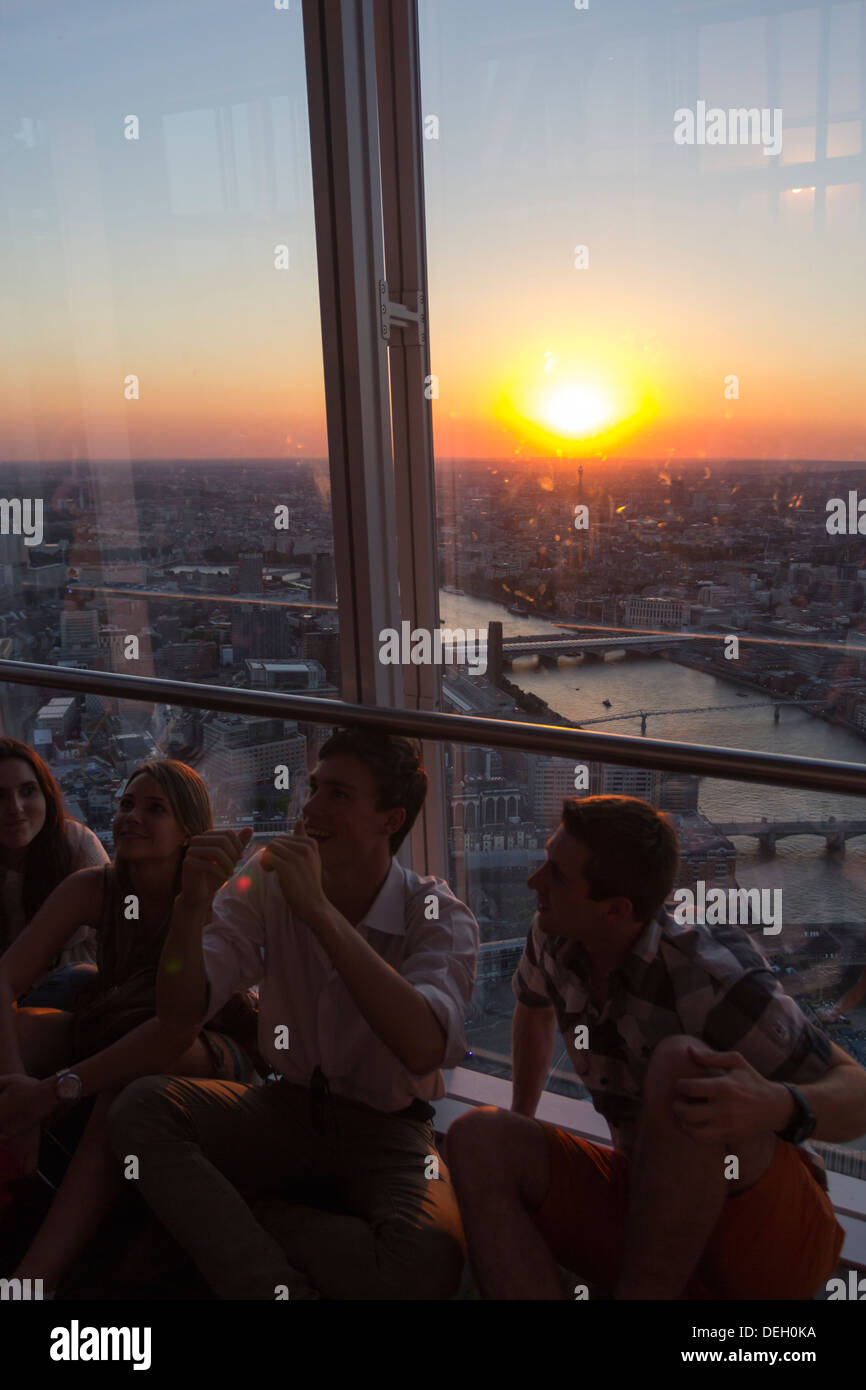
(254, 937)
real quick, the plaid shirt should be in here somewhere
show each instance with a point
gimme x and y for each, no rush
(709, 982)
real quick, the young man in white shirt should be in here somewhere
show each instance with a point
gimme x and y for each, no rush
(326, 1181)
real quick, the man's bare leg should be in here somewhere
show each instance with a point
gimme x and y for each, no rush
(678, 1187)
(500, 1167)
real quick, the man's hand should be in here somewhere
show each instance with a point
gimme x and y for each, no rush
(295, 861)
(737, 1100)
(24, 1104)
(209, 861)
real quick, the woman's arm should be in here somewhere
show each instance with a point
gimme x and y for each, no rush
(148, 1050)
(87, 852)
(74, 902)
(11, 1063)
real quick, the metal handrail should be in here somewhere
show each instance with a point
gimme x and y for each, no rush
(699, 759)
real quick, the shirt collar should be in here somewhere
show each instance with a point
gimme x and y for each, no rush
(388, 910)
(575, 958)
(644, 950)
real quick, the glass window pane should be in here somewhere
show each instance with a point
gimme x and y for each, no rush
(649, 432)
(786, 865)
(163, 447)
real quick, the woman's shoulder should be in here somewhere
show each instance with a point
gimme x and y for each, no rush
(86, 848)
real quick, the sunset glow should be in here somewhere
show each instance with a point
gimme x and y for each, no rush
(606, 311)
(577, 411)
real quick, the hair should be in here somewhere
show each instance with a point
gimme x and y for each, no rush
(395, 766)
(634, 852)
(49, 856)
(185, 792)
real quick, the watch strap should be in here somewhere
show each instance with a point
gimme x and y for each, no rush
(802, 1123)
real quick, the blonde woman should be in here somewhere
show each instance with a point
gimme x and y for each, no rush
(52, 1058)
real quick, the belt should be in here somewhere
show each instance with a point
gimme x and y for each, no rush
(320, 1095)
(418, 1110)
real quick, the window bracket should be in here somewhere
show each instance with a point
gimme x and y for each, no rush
(411, 321)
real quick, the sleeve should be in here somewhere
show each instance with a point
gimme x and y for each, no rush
(440, 962)
(529, 982)
(753, 1016)
(87, 853)
(233, 941)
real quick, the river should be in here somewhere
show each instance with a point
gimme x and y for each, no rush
(816, 887)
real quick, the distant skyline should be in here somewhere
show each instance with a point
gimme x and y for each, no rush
(154, 257)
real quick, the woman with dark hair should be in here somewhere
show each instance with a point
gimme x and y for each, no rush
(39, 847)
(51, 1058)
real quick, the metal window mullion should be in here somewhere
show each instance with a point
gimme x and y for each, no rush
(402, 178)
(339, 46)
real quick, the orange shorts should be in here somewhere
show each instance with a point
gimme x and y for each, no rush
(778, 1240)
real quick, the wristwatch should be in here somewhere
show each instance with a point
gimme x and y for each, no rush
(802, 1124)
(67, 1087)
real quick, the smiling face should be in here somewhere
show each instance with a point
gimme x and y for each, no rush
(145, 826)
(340, 814)
(22, 807)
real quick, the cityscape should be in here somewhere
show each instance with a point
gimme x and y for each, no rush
(179, 570)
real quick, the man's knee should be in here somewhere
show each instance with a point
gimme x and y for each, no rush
(140, 1107)
(672, 1058)
(490, 1147)
(477, 1137)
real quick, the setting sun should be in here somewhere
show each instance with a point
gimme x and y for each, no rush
(576, 411)
(555, 400)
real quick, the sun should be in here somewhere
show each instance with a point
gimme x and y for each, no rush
(575, 411)
(560, 402)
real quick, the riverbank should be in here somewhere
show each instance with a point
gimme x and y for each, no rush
(538, 711)
(694, 663)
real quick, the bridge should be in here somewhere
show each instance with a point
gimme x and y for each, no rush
(835, 833)
(644, 715)
(551, 647)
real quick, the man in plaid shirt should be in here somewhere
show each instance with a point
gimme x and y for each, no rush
(709, 1076)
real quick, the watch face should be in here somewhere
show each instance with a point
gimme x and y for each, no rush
(69, 1087)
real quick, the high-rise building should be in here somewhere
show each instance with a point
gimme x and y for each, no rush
(250, 572)
(551, 780)
(324, 579)
(79, 627)
(241, 753)
(629, 781)
(263, 632)
(14, 565)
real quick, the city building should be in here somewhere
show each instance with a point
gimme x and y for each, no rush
(656, 612)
